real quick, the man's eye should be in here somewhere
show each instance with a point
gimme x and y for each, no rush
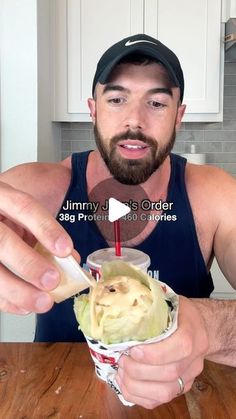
(156, 104)
(116, 100)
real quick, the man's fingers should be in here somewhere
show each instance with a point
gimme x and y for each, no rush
(22, 294)
(153, 392)
(172, 349)
(25, 210)
(24, 273)
(162, 373)
(25, 261)
(7, 307)
(149, 394)
(76, 255)
(182, 344)
(141, 371)
(132, 398)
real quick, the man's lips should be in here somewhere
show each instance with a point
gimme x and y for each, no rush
(132, 149)
(132, 144)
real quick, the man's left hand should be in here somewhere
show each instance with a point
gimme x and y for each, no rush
(155, 373)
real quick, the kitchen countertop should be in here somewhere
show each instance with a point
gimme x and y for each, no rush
(58, 381)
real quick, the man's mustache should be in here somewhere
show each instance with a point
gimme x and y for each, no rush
(134, 135)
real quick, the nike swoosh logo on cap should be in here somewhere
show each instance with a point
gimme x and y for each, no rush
(129, 42)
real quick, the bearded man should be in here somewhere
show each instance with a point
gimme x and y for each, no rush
(136, 109)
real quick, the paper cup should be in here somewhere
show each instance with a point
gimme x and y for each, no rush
(106, 357)
(133, 256)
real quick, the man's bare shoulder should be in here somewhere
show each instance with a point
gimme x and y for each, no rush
(209, 179)
(212, 192)
(47, 182)
(212, 195)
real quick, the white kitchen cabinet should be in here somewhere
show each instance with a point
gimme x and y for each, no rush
(83, 29)
(193, 30)
(228, 9)
(233, 8)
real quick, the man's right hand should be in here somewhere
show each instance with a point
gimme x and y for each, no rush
(25, 275)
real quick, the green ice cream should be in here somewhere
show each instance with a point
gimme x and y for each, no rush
(125, 305)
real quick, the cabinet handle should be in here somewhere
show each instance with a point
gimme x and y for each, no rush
(230, 37)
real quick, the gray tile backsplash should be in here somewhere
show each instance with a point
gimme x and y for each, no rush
(216, 139)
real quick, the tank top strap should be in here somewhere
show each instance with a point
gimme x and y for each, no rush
(78, 182)
(177, 177)
(178, 194)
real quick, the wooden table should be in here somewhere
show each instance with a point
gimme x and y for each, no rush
(58, 381)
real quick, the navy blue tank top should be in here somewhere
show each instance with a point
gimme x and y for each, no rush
(172, 246)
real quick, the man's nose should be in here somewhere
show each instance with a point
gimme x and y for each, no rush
(135, 117)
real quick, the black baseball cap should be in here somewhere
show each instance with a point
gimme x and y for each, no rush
(141, 44)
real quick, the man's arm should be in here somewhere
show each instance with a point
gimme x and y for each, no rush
(220, 315)
(224, 243)
(149, 376)
(220, 321)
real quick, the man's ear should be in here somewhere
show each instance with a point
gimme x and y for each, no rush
(180, 114)
(92, 108)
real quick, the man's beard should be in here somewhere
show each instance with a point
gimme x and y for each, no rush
(132, 171)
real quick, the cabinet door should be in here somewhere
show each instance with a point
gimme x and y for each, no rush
(233, 8)
(82, 31)
(228, 9)
(193, 30)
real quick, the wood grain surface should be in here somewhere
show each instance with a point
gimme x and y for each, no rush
(58, 381)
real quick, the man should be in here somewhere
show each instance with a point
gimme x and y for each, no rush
(136, 108)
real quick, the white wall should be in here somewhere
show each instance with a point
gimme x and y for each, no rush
(27, 133)
(49, 134)
(15, 328)
(18, 82)
(223, 288)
